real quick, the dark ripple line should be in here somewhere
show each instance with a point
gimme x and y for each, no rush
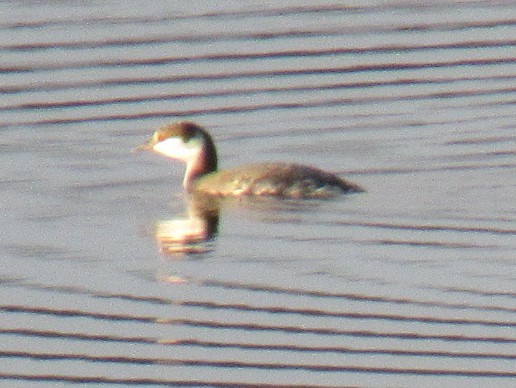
(68, 313)
(239, 109)
(157, 40)
(252, 365)
(269, 90)
(298, 292)
(347, 315)
(225, 57)
(257, 74)
(140, 116)
(434, 244)
(481, 292)
(426, 228)
(75, 290)
(334, 332)
(140, 381)
(392, 242)
(249, 346)
(335, 349)
(132, 20)
(79, 336)
(411, 170)
(346, 296)
(483, 140)
(71, 313)
(258, 36)
(225, 14)
(277, 11)
(109, 20)
(232, 109)
(195, 39)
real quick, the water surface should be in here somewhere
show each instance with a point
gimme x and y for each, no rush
(409, 284)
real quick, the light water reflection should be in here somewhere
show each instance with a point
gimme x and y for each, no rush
(193, 233)
(194, 230)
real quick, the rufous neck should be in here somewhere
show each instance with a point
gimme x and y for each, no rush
(203, 162)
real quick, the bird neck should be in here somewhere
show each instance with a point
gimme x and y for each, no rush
(203, 162)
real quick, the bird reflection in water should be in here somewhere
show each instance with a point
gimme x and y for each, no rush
(191, 234)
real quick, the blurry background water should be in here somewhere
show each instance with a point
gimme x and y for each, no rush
(410, 284)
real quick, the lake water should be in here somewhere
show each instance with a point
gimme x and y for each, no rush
(109, 274)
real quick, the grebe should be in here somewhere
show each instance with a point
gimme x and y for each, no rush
(190, 143)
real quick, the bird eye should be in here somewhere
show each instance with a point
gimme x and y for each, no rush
(159, 137)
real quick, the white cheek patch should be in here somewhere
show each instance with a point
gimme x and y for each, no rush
(175, 148)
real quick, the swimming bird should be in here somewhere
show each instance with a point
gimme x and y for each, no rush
(190, 143)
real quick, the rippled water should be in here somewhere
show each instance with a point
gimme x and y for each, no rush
(409, 284)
